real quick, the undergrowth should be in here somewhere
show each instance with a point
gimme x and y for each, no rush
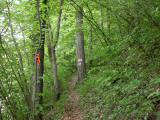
(112, 94)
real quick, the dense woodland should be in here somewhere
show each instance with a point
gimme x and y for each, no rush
(79, 59)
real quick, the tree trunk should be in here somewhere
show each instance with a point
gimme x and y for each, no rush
(39, 82)
(90, 47)
(52, 54)
(0, 108)
(55, 74)
(40, 62)
(80, 45)
(108, 27)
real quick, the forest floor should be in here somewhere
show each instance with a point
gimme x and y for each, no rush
(72, 107)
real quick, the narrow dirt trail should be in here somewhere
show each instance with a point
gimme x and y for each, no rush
(72, 108)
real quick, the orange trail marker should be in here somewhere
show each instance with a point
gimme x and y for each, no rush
(38, 58)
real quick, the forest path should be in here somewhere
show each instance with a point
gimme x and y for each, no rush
(72, 108)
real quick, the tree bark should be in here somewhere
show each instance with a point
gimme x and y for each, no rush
(90, 47)
(39, 58)
(80, 44)
(52, 54)
(55, 74)
(108, 17)
(1, 108)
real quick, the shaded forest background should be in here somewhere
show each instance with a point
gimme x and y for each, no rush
(119, 78)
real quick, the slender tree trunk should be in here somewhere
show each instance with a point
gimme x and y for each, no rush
(52, 53)
(108, 18)
(33, 87)
(55, 74)
(80, 45)
(40, 62)
(0, 93)
(90, 47)
(1, 108)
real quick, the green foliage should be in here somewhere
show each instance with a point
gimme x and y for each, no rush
(123, 80)
(114, 97)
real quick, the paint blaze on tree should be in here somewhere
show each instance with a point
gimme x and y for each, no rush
(38, 58)
(80, 44)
